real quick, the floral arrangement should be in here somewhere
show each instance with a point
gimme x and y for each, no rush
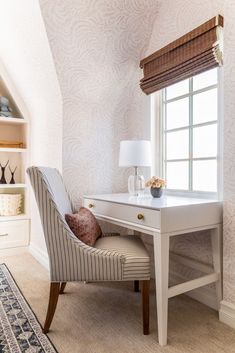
(155, 182)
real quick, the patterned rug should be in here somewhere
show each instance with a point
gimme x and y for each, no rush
(19, 329)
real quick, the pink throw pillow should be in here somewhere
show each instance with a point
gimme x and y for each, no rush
(84, 225)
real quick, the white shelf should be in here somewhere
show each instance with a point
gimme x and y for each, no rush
(13, 150)
(12, 186)
(12, 120)
(13, 129)
(14, 218)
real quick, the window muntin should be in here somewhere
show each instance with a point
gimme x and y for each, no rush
(190, 134)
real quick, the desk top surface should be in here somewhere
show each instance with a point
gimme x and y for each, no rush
(148, 201)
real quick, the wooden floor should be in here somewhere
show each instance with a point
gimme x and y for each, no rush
(106, 318)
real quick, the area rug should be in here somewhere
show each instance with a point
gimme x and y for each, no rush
(19, 329)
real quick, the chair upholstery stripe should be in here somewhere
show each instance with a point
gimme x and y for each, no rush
(70, 259)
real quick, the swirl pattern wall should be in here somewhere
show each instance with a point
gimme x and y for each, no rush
(97, 46)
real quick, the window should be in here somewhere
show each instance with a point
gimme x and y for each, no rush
(189, 142)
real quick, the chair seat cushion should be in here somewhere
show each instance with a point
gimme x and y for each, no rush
(84, 225)
(136, 265)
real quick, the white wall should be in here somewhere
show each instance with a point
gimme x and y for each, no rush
(26, 56)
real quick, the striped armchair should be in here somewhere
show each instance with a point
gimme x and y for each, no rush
(113, 258)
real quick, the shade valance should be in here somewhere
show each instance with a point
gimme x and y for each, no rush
(191, 54)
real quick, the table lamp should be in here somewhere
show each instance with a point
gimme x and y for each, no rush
(135, 153)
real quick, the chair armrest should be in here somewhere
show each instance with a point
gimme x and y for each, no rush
(100, 264)
(93, 264)
(73, 260)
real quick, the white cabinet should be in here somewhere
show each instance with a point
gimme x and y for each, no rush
(14, 234)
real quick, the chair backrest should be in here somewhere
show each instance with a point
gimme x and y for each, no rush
(70, 258)
(51, 180)
(53, 203)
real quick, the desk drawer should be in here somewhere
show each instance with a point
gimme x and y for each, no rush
(14, 233)
(133, 214)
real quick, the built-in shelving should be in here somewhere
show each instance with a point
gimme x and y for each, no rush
(13, 186)
(22, 216)
(14, 132)
(9, 120)
(13, 150)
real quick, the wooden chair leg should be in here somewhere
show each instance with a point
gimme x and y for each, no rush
(62, 287)
(136, 286)
(53, 299)
(145, 306)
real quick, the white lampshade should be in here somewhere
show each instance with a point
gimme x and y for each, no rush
(135, 153)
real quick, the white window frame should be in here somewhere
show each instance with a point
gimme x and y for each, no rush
(157, 136)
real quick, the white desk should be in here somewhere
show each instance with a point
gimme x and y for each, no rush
(163, 218)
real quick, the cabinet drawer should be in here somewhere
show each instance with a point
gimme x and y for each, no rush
(122, 212)
(14, 233)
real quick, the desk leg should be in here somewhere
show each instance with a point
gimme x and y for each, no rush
(161, 259)
(216, 242)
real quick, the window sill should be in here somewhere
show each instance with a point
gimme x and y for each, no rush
(196, 194)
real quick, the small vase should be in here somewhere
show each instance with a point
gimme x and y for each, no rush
(156, 192)
(3, 169)
(12, 181)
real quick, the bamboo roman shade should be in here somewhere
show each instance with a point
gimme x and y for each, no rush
(191, 54)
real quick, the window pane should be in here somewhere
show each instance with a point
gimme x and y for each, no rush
(205, 141)
(177, 175)
(205, 175)
(205, 106)
(178, 89)
(205, 79)
(177, 114)
(177, 144)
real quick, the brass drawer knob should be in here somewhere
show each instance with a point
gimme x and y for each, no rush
(140, 216)
(90, 205)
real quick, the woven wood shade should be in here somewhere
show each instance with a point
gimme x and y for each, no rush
(191, 54)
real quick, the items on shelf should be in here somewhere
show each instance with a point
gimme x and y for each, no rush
(5, 109)
(3, 178)
(11, 144)
(12, 181)
(3, 169)
(10, 204)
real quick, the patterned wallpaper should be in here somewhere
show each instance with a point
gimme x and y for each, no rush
(97, 46)
(229, 152)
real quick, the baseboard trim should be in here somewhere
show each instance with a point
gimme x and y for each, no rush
(227, 313)
(39, 255)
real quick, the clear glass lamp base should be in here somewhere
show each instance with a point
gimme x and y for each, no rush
(136, 185)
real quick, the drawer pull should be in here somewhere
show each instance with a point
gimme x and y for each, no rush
(140, 216)
(4, 235)
(90, 205)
